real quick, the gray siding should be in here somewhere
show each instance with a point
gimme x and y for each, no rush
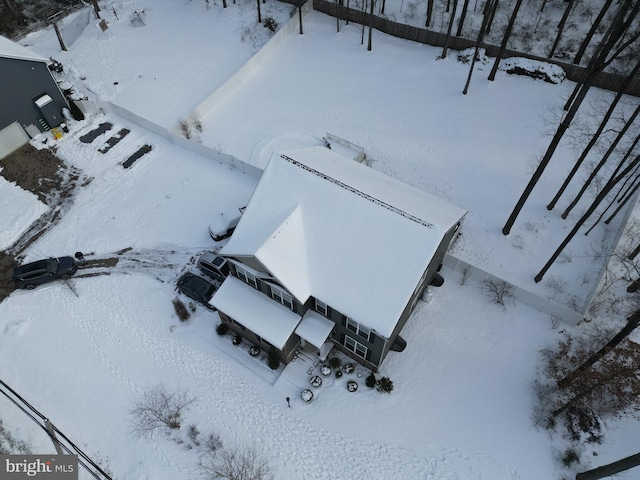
(22, 81)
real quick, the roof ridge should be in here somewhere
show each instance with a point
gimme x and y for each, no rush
(357, 192)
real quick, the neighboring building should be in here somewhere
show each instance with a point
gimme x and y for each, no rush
(30, 98)
(330, 252)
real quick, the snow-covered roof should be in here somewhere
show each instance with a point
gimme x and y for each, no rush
(11, 49)
(329, 227)
(275, 323)
(315, 328)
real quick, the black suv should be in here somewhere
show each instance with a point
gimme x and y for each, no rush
(43, 271)
(198, 288)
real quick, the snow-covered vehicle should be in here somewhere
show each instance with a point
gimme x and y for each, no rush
(223, 225)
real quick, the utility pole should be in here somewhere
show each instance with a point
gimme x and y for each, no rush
(52, 435)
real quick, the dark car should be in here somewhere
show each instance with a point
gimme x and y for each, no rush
(198, 288)
(43, 271)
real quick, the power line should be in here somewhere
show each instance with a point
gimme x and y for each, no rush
(17, 400)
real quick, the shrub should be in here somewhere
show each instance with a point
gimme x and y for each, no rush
(222, 329)
(352, 386)
(499, 291)
(570, 457)
(371, 380)
(384, 384)
(338, 373)
(274, 359)
(181, 309)
(237, 463)
(334, 363)
(271, 24)
(349, 368)
(237, 340)
(158, 408)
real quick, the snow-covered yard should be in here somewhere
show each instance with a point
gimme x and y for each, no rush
(461, 404)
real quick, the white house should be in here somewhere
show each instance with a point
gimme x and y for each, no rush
(330, 252)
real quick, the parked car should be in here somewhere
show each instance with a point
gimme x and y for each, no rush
(213, 265)
(223, 224)
(33, 274)
(198, 288)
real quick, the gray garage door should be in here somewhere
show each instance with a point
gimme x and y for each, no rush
(11, 139)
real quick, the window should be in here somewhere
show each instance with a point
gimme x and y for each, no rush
(281, 296)
(355, 347)
(247, 277)
(364, 332)
(351, 325)
(321, 307)
(359, 329)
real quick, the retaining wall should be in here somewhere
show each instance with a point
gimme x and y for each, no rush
(293, 25)
(534, 300)
(93, 107)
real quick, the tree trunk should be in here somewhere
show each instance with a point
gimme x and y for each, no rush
(614, 34)
(632, 323)
(592, 30)
(604, 159)
(596, 135)
(505, 39)
(370, 25)
(485, 19)
(596, 65)
(259, 13)
(621, 193)
(364, 9)
(224, 3)
(429, 13)
(463, 15)
(605, 191)
(624, 201)
(446, 40)
(492, 16)
(562, 128)
(610, 469)
(300, 16)
(561, 25)
(337, 16)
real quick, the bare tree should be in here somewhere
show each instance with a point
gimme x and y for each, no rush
(603, 160)
(592, 30)
(505, 39)
(624, 17)
(370, 24)
(463, 15)
(561, 25)
(633, 322)
(427, 23)
(601, 196)
(451, 19)
(596, 135)
(158, 408)
(485, 19)
(237, 463)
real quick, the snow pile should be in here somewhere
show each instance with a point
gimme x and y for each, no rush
(19, 209)
(533, 68)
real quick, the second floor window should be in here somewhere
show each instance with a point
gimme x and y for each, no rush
(281, 296)
(355, 327)
(321, 307)
(247, 277)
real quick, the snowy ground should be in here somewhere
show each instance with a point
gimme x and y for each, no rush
(461, 405)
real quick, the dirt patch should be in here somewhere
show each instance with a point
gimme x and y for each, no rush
(52, 181)
(37, 171)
